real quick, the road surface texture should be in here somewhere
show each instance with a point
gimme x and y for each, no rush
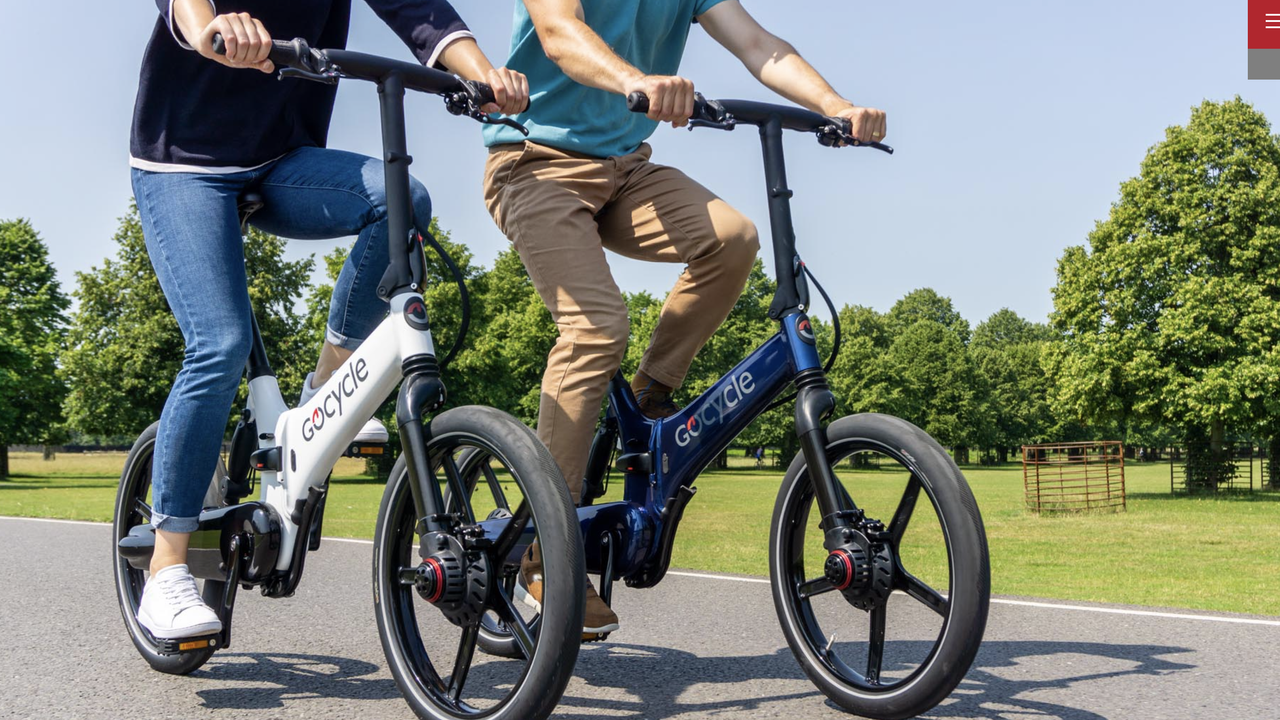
(696, 646)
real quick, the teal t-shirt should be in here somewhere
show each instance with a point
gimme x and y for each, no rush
(649, 34)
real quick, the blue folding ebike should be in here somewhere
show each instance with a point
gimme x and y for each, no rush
(835, 570)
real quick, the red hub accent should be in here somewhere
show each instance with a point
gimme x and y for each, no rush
(845, 565)
(438, 571)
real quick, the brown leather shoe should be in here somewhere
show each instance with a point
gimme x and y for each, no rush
(598, 620)
(653, 397)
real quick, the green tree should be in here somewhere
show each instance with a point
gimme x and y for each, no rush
(1006, 351)
(124, 347)
(31, 336)
(932, 382)
(1171, 315)
(925, 304)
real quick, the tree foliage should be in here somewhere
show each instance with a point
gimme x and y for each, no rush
(124, 348)
(31, 336)
(1171, 315)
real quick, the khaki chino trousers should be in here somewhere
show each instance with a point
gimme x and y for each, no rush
(562, 210)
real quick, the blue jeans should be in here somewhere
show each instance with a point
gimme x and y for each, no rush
(193, 238)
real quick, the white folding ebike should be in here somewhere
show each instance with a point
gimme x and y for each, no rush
(471, 490)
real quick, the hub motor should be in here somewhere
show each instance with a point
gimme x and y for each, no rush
(860, 565)
(452, 579)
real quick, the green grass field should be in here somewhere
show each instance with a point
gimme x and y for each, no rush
(1218, 553)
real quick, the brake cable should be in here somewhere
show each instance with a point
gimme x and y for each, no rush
(835, 342)
(464, 296)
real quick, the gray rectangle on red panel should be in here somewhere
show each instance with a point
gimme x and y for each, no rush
(1264, 64)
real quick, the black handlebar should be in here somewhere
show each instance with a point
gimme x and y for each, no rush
(727, 113)
(328, 65)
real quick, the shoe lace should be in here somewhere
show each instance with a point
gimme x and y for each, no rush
(182, 593)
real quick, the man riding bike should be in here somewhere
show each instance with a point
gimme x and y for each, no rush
(583, 182)
(204, 133)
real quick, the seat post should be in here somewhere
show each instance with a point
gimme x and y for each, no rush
(257, 366)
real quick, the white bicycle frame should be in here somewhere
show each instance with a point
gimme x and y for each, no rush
(313, 436)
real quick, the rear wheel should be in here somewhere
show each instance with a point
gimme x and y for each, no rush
(888, 623)
(490, 467)
(133, 507)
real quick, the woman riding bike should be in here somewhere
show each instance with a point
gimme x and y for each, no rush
(204, 132)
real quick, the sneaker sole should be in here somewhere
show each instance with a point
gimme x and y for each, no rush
(208, 628)
(602, 630)
(523, 596)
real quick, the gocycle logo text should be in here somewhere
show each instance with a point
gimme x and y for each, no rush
(716, 409)
(331, 406)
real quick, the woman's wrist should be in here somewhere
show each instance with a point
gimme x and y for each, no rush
(191, 17)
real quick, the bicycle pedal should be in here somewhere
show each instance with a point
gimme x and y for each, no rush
(594, 637)
(177, 646)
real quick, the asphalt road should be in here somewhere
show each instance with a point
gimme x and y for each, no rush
(695, 646)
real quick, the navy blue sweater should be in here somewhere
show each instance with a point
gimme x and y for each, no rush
(195, 114)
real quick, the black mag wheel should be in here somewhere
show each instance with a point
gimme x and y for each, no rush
(133, 507)
(485, 489)
(887, 627)
(489, 465)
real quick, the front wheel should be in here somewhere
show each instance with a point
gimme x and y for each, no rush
(914, 572)
(490, 468)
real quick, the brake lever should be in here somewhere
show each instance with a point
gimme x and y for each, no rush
(328, 78)
(835, 136)
(726, 125)
(461, 103)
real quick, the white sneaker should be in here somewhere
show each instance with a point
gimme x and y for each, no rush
(373, 432)
(171, 606)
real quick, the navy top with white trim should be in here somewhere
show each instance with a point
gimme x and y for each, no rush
(193, 114)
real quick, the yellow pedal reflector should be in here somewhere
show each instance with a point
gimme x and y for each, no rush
(193, 645)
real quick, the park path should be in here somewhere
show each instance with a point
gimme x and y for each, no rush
(696, 646)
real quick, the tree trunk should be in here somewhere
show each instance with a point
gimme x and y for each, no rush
(1002, 454)
(1273, 461)
(962, 454)
(722, 461)
(47, 453)
(4, 462)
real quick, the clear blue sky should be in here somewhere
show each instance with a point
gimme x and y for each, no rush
(1014, 121)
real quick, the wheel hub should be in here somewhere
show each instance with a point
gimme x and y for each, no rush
(452, 579)
(861, 564)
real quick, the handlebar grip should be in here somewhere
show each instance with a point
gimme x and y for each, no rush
(638, 102)
(484, 93)
(289, 53)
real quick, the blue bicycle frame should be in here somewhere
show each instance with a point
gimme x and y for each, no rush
(673, 451)
(632, 539)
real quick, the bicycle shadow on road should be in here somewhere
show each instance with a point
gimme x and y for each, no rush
(262, 681)
(1002, 684)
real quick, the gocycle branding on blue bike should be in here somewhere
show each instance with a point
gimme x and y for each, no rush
(356, 373)
(716, 409)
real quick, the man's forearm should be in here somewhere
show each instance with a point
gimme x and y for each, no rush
(778, 65)
(577, 49)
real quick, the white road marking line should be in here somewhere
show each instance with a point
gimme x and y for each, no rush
(765, 581)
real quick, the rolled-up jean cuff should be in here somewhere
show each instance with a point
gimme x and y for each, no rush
(333, 337)
(168, 523)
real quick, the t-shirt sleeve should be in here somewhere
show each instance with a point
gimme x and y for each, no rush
(426, 26)
(166, 11)
(701, 6)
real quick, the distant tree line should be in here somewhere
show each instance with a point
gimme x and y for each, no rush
(1164, 329)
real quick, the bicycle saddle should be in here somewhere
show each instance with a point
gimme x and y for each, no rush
(247, 204)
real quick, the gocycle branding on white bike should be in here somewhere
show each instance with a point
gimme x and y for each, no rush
(716, 409)
(357, 373)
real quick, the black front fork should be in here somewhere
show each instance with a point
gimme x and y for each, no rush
(814, 404)
(421, 393)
